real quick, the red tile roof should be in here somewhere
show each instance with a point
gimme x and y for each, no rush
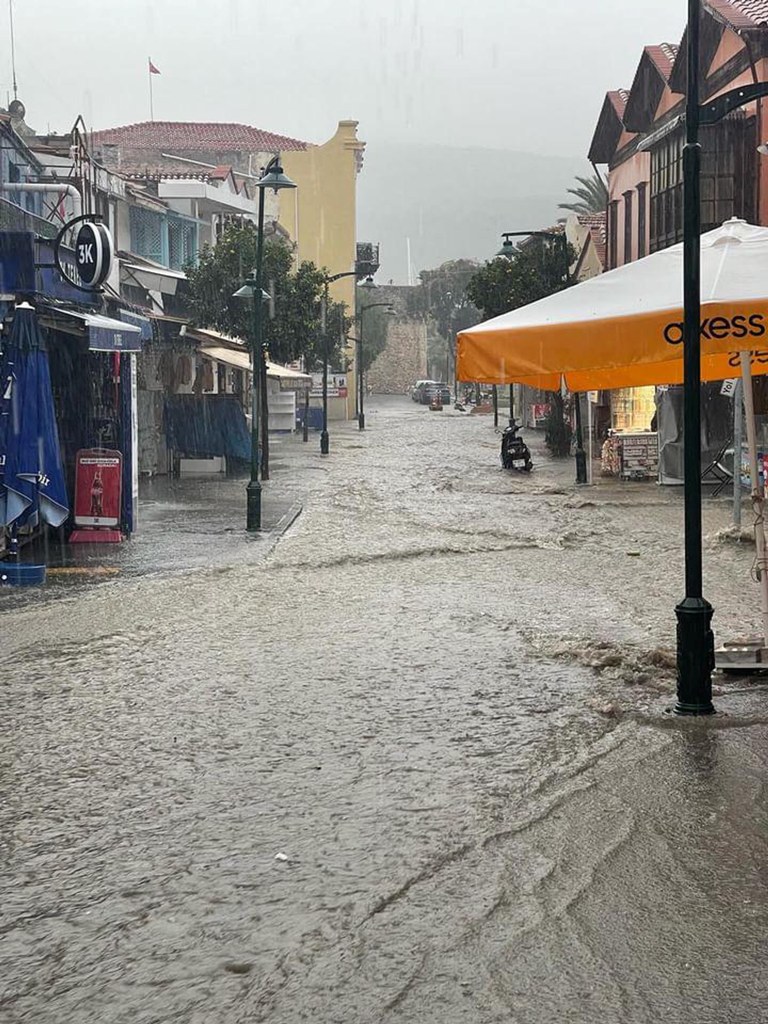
(663, 56)
(596, 222)
(618, 98)
(741, 14)
(199, 136)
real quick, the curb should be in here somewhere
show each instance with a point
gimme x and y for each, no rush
(287, 521)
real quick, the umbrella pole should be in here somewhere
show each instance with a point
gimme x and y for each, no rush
(581, 455)
(738, 423)
(758, 491)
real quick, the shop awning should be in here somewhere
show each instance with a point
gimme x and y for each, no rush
(230, 356)
(624, 328)
(101, 332)
(289, 379)
(153, 277)
(142, 322)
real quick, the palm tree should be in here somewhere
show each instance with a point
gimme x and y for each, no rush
(592, 195)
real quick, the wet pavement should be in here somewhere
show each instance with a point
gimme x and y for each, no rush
(410, 764)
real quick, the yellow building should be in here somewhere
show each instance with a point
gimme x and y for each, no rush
(320, 215)
(321, 218)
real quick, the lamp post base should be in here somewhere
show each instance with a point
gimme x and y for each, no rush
(253, 506)
(361, 421)
(581, 466)
(324, 443)
(695, 657)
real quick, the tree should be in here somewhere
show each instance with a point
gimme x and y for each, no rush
(591, 195)
(442, 297)
(536, 269)
(291, 329)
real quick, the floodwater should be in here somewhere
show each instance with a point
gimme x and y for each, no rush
(411, 765)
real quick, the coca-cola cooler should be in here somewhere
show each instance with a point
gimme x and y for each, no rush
(98, 496)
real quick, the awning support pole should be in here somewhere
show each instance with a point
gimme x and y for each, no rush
(738, 422)
(758, 491)
(581, 455)
(695, 640)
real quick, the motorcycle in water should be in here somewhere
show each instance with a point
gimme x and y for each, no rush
(515, 453)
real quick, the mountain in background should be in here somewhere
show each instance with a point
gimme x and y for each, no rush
(454, 203)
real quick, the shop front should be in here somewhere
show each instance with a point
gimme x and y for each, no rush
(90, 362)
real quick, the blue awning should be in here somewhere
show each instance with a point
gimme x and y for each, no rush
(142, 322)
(102, 333)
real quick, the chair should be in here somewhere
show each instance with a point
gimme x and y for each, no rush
(717, 470)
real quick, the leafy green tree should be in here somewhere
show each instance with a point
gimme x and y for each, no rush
(591, 195)
(535, 270)
(291, 327)
(376, 324)
(442, 298)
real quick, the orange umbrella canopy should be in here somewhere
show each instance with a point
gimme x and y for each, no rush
(625, 327)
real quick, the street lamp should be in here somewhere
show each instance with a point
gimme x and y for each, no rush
(360, 386)
(695, 640)
(327, 280)
(274, 178)
(508, 250)
(248, 293)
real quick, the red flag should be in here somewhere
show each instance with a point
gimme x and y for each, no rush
(152, 69)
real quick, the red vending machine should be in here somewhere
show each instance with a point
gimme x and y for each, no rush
(98, 496)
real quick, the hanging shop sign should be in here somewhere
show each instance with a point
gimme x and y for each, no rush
(90, 265)
(93, 254)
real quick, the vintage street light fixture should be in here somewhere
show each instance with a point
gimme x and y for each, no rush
(360, 379)
(274, 178)
(508, 250)
(253, 491)
(325, 442)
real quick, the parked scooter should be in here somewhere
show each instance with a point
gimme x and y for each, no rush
(515, 453)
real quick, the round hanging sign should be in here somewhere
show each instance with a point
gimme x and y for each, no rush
(93, 254)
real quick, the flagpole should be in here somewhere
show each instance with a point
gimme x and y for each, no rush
(151, 100)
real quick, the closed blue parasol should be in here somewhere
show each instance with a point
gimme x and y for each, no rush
(31, 476)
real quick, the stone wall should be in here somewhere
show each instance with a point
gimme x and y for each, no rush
(404, 360)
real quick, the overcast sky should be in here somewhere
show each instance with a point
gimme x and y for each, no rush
(520, 74)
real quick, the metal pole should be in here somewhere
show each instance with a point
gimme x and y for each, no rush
(264, 417)
(590, 433)
(758, 489)
(581, 455)
(305, 429)
(361, 403)
(695, 640)
(738, 423)
(324, 440)
(253, 490)
(495, 406)
(511, 403)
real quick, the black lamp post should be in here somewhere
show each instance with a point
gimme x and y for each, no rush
(248, 293)
(360, 380)
(695, 640)
(329, 279)
(274, 178)
(509, 250)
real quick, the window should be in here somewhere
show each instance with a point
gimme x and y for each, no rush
(728, 176)
(642, 226)
(148, 234)
(613, 230)
(627, 227)
(182, 242)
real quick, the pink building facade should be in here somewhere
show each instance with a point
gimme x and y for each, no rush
(640, 134)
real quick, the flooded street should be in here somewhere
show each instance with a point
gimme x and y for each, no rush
(410, 764)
